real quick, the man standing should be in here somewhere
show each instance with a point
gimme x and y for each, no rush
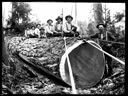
(69, 29)
(101, 35)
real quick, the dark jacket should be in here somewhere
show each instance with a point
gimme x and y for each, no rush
(98, 35)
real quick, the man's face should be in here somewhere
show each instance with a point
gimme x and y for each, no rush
(38, 26)
(101, 27)
(33, 28)
(50, 22)
(69, 19)
(59, 20)
(42, 30)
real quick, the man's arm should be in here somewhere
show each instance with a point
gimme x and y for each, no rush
(87, 37)
(54, 28)
(47, 30)
(94, 35)
(65, 28)
(25, 33)
(37, 31)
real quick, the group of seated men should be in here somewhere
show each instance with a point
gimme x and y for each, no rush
(34, 31)
(58, 29)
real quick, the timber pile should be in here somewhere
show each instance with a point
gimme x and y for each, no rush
(48, 52)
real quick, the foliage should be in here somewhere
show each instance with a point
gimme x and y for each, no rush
(118, 16)
(98, 18)
(83, 27)
(102, 14)
(92, 28)
(19, 18)
(107, 17)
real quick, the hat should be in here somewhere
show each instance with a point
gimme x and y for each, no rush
(100, 24)
(27, 27)
(42, 28)
(49, 20)
(59, 18)
(69, 16)
(32, 26)
(38, 24)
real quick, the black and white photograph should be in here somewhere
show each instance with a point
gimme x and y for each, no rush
(63, 48)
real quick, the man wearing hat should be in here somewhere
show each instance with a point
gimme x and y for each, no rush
(31, 32)
(37, 30)
(49, 29)
(101, 35)
(27, 32)
(42, 32)
(58, 25)
(69, 29)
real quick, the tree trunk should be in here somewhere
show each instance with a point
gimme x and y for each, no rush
(98, 13)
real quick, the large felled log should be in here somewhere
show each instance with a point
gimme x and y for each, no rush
(87, 63)
(52, 49)
(40, 70)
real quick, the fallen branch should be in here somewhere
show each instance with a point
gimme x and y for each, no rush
(113, 42)
(116, 74)
(8, 90)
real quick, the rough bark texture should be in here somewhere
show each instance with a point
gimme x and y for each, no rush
(97, 7)
(48, 52)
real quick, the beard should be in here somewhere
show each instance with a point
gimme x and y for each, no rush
(101, 30)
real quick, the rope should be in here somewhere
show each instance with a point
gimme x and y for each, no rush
(74, 91)
(108, 54)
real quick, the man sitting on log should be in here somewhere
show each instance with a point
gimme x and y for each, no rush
(32, 32)
(42, 32)
(49, 29)
(27, 32)
(58, 26)
(37, 30)
(69, 30)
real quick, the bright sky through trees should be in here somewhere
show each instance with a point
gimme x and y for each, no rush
(43, 11)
